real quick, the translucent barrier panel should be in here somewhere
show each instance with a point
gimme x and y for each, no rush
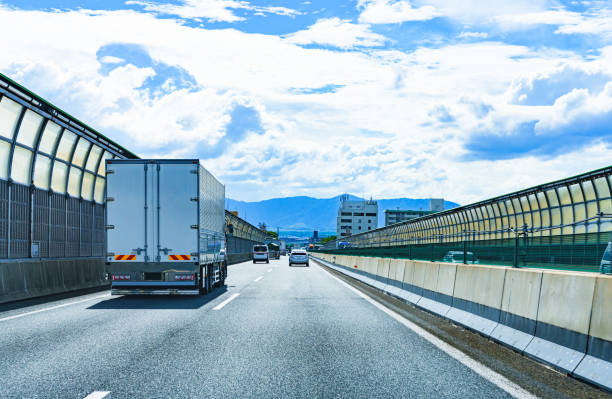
(576, 193)
(589, 191)
(49, 138)
(564, 196)
(74, 182)
(87, 186)
(80, 152)
(28, 130)
(5, 151)
(602, 188)
(22, 164)
(64, 150)
(58, 180)
(94, 157)
(9, 114)
(42, 171)
(102, 168)
(552, 198)
(99, 191)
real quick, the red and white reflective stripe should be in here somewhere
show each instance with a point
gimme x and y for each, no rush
(125, 257)
(116, 277)
(183, 277)
(179, 257)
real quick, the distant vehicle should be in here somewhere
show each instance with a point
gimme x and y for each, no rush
(311, 246)
(298, 256)
(165, 227)
(260, 254)
(605, 266)
(457, 257)
(274, 250)
(343, 244)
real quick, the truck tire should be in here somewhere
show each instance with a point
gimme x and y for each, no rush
(204, 283)
(223, 274)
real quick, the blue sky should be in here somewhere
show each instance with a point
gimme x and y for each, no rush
(389, 98)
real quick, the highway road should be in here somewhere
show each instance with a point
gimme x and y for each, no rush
(273, 331)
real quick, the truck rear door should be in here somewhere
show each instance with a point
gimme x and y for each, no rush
(177, 193)
(125, 210)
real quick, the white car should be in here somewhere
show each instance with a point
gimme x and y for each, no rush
(260, 254)
(298, 256)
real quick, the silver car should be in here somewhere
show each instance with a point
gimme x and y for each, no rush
(298, 256)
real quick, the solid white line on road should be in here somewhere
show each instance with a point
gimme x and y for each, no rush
(258, 278)
(52, 307)
(97, 395)
(228, 300)
(269, 270)
(482, 370)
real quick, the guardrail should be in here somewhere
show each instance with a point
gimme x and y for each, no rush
(560, 318)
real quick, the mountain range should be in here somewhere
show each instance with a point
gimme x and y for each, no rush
(308, 214)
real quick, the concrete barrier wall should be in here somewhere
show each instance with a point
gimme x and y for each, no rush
(477, 297)
(29, 278)
(596, 367)
(561, 318)
(519, 308)
(564, 316)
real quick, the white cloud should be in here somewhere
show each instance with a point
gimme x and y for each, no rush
(213, 10)
(109, 59)
(525, 20)
(471, 35)
(338, 33)
(386, 91)
(390, 11)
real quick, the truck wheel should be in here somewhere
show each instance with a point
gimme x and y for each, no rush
(223, 274)
(203, 284)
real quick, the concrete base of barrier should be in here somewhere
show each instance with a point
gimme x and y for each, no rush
(470, 320)
(514, 338)
(409, 296)
(596, 371)
(433, 306)
(556, 355)
(30, 278)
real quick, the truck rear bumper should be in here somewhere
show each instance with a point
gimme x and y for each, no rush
(153, 291)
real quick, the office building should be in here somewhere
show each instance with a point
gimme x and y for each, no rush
(356, 216)
(436, 204)
(397, 216)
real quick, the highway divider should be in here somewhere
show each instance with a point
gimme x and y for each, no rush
(29, 278)
(563, 319)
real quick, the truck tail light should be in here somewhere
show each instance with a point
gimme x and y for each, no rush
(184, 277)
(118, 277)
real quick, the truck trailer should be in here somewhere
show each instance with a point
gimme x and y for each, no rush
(165, 227)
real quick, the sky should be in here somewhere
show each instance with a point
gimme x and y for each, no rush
(463, 100)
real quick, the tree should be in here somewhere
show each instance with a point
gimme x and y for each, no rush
(328, 239)
(272, 234)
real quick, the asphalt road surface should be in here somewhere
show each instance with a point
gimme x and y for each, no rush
(274, 331)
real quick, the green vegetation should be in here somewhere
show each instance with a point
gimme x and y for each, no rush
(328, 239)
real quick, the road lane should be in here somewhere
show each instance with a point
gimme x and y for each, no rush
(295, 333)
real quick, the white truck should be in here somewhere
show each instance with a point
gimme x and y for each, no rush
(165, 227)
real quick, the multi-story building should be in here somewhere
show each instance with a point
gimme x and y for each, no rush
(397, 216)
(356, 216)
(436, 204)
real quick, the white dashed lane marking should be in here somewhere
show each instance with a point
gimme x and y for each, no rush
(97, 395)
(228, 300)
